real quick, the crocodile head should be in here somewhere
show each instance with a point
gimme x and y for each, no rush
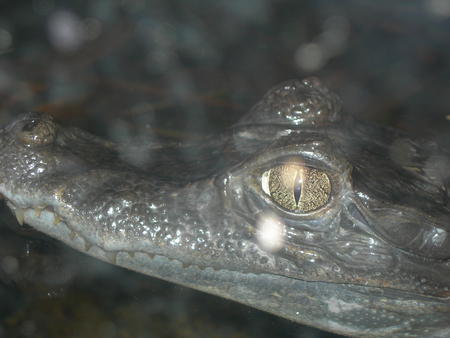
(298, 210)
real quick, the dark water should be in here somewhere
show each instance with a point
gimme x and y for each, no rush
(186, 69)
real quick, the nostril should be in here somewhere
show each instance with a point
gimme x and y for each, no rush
(354, 211)
(37, 133)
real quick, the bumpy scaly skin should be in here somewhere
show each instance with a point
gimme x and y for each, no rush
(372, 261)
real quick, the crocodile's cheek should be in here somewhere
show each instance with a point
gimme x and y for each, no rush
(414, 233)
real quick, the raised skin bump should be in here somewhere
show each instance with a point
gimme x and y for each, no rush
(371, 260)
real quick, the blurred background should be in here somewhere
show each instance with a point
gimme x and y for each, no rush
(183, 69)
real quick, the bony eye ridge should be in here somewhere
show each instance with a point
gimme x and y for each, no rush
(296, 187)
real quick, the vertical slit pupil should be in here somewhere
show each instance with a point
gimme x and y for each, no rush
(297, 187)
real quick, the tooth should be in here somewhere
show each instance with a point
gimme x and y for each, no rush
(73, 234)
(151, 255)
(20, 214)
(38, 209)
(111, 255)
(57, 219)
(131, 254)
(37, 212)
(87, 245)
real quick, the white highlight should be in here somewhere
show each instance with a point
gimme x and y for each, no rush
(5, 39)
(438, 7)
(64, 32)
(311, 56)
(265, 182)
(338, 306)
(270, 232)
(67, 32)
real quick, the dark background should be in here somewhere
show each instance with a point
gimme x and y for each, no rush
(185, 69)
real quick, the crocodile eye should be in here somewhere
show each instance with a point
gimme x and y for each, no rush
(296, 187)
(37, 133)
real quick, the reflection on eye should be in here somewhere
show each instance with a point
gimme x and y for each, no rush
(296, 187)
